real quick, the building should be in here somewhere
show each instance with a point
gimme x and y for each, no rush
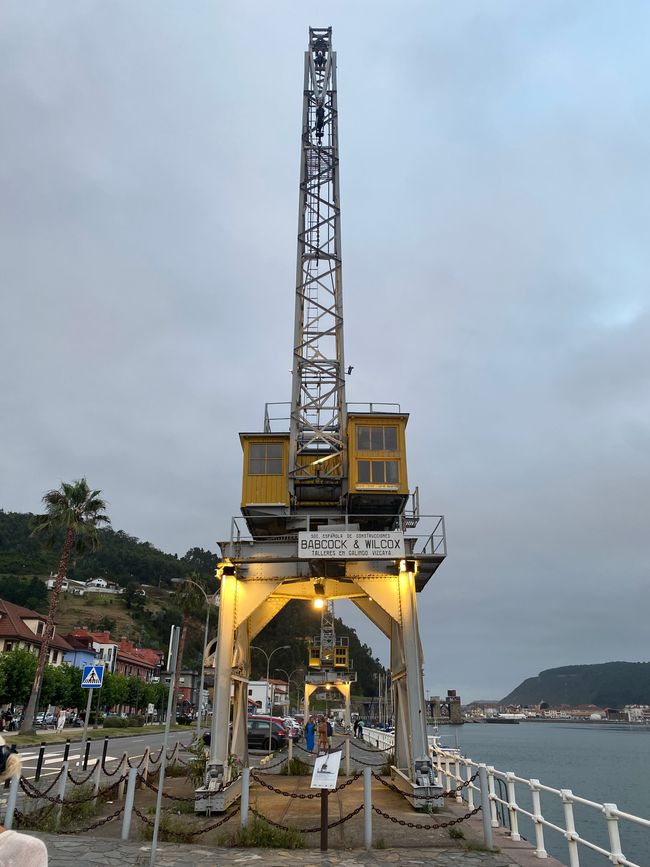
(82, 651)
(23, 628)
(263, 694)
(137, 662)
(104, 646)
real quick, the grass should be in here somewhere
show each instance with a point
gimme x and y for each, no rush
(260, 834)
(296, 768)
(172, 829)
(456, 833)
(73, 813)
(77, 734)
(384, 770)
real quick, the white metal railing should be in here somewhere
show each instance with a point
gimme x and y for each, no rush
(455, 769)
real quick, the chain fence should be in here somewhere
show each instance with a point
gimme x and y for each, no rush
(313, 830)
(85, 779)
(450, 794)
(34, 794)
(23, 820)
(420, 827)
(183, 835)
(301, 796)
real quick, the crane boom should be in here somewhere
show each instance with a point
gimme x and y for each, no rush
(317, 449)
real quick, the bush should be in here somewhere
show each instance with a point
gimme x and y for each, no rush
(261, 834)
(116, 722)
(135, 721)
(296, 768)
(184, 720)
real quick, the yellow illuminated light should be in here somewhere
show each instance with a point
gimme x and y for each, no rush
(327, 686)
(319, 602)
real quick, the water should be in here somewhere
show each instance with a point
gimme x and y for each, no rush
(604, 763)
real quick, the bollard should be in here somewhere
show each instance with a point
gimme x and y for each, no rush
(290, 749)
(124, 766)
(86, 754)
(485, 806)
(11, 803)
(60, 792)
(367, 807)
(128, 806)
(96, 780)
(66, 750)
(245, 791)
(104, 752)
(145, 767)
(347, 756)
(39, 763)
(324, 818)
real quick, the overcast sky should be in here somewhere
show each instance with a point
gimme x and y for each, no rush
(496, 196)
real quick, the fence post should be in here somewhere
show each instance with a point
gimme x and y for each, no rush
(290, 749)
(11, 802)
(493, 802)
(540, 851)
(458, 780)
(347, 755)
(128, 806)
(97, 775)
(86, 754)
(60, 792)
(124, 766)
(66, 750)
(486, 803)
(470, 790)
(245, 790)
(447, 775)
(367, 807)
(104, 752)
(612, 829)
(571, 836)
(512, 806)
(39, 763)
(175, 753)
(145, 767)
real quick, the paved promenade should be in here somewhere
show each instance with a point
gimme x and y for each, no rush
(93, 852)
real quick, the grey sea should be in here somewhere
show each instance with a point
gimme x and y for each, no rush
(606, 763)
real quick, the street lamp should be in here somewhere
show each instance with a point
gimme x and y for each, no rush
(268, 669)
(290, 681)
(205, 644)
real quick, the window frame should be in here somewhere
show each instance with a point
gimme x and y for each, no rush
(366, 431)
(259, 466)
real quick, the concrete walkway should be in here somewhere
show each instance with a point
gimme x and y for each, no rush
(93, 852)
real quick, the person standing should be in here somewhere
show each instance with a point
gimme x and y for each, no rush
(309, 735)
(355, 727)
(360, 729)
(322, 735)
(330, 732)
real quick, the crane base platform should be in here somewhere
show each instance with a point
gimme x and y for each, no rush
(209, 801)
(419, 797)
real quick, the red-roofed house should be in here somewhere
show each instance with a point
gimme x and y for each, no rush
(22, 627)
(141, 662)
(102, 643)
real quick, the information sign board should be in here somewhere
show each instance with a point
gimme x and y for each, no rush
(351, 544)
(326, 770)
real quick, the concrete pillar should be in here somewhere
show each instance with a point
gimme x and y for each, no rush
(219, 741)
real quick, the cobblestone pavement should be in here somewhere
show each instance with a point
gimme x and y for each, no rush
(93, 852)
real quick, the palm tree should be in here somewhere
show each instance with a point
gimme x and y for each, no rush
(191, 601)
(78, 512)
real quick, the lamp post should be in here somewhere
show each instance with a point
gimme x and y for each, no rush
(290, 681)
(205, 644)
(268, 669)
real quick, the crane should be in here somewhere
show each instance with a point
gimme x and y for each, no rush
(326, 508)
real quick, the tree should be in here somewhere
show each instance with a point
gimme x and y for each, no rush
(16, 675)
(190, 600)
(79, 512)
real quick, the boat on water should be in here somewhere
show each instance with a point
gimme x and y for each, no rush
(506, 718)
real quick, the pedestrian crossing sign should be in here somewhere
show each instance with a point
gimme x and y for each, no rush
(92, 676)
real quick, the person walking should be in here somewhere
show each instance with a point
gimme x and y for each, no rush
(360, 729)
(355, 727)
(309, 734)
(330, 732)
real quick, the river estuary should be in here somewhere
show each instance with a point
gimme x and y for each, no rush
(604, 763)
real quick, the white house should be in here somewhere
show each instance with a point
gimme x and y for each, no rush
(266, 694)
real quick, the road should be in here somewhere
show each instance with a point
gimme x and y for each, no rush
(135, 746)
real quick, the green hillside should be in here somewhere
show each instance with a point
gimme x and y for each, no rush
(25, 562)
(608, 684)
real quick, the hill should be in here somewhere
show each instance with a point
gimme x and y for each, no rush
(607, 684)
(25, 562)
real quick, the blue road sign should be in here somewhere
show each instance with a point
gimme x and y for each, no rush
(92, 676)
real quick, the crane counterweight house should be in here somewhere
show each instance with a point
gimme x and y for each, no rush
(326, 508)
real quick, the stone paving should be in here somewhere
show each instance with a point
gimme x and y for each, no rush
(89, 852)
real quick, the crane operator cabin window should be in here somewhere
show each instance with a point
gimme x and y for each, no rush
(377, 439)
(265, 459)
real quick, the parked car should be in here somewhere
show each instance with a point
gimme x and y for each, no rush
(45, 719)
(294, 729)
(258, 733)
